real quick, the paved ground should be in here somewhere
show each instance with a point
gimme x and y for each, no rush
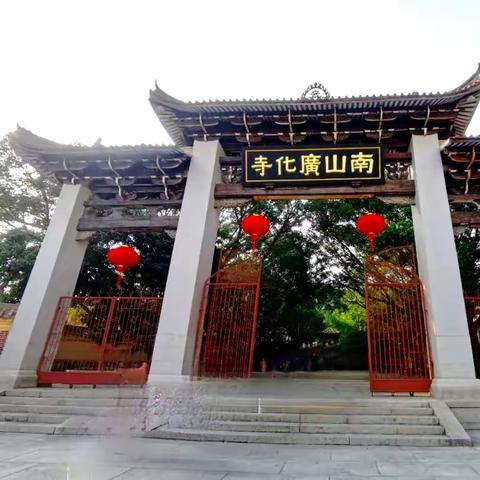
(42, 457)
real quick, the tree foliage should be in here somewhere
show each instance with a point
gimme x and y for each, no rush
(147, 279)
(18, 250)
(27, 198)
(312, 270)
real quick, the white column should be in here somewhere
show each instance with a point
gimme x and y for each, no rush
(54, 274)
(190, 266)
(454, 372)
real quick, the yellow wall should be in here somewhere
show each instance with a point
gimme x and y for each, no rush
(5, 324)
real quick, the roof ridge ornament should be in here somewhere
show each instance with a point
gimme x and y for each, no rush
(316, 91)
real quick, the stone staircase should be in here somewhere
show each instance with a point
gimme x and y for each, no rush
(334, 422)
(72, 411)
(140, 412)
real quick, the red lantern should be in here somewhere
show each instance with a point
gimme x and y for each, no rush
(371, 225)
(256, 226)
(121, 258)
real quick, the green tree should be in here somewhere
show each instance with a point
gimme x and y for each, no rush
(27, 199)
(148, 278)
(18, 250)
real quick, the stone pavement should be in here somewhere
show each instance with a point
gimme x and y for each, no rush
(42, 457)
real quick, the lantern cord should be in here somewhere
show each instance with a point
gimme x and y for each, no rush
(247, 129)
(427, 118)
(205, 133)
(109, 161)
(65, 167)
(335, 126)
(380, 125)
(120, 191)
(468, 171)
(291, 133)
(164, 178)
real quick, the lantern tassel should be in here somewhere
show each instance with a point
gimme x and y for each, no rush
(120, 274)
(371, 240)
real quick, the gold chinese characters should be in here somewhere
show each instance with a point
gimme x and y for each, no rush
(313, 165)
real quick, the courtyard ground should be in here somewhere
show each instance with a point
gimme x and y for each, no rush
(42, 457)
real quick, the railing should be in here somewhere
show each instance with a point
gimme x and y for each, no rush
(100, 340)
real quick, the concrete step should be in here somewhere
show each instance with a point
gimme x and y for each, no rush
(323, 409)
(90, 402)
(32, 418)
(381, 429)
(319, 418)
(300, 438)
(281, 427)
(125, 392)
(80, 392)
(270, 406)
(285, 402)
(67, 410)
(349, 410)
(388, 419)
(27, 427)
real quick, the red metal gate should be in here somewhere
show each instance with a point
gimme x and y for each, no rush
(228, 321)
(473, 315)
(398, 347)
(100, 340)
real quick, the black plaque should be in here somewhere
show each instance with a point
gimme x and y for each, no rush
(315, 165)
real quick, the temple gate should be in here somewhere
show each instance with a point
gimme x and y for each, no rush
(428, 163)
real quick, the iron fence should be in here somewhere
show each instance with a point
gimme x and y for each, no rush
(100, 340)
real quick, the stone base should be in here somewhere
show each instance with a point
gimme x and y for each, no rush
(18, 379)
(168, 381)
(451, 389)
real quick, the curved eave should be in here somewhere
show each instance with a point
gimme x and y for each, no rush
(71, 162)
(465, 97)
(28, 145)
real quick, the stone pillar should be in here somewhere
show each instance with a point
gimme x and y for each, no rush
(454, 372)
(54, 274)
(190, 266)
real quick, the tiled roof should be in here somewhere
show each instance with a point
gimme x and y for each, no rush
(465, 97)
(463, 142)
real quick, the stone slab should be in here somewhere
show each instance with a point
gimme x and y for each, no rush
(453, 428)
(18, 427)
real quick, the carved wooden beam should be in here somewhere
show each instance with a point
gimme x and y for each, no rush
(466, 219)
(461, 198)
(398, 188)
(127, 224)
(117, 203)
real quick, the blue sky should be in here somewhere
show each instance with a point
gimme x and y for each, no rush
(79, 70)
